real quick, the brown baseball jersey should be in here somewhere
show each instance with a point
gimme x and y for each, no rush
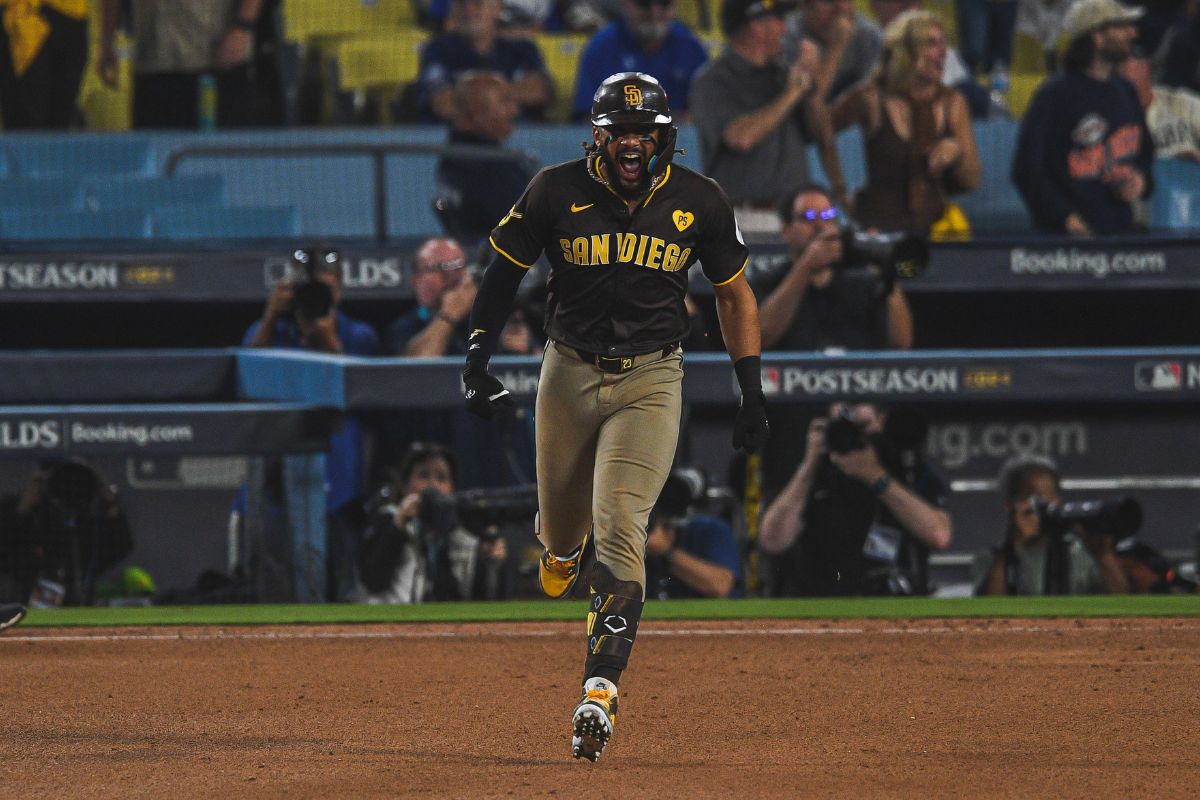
(618, 279)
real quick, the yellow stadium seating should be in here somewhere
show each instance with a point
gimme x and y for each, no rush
(561, 53)
(304, 20)
(1020, 91)
(698, 15)
(378, 58)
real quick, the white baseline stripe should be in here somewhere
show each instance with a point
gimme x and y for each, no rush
(238, 635)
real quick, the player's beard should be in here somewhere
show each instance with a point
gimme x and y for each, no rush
(618, 185)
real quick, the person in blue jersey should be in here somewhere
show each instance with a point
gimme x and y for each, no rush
(645, 38)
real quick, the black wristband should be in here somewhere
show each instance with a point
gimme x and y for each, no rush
(749, 373)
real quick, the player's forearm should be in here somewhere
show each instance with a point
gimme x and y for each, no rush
(737, 312)
(493, 302)
(703, 577)
(928, 523)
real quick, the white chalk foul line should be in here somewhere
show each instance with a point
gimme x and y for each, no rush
(315, 635)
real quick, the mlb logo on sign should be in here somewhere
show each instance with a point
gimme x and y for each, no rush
(1158, 376)
(770, 380)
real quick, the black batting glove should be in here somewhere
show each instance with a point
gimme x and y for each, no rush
(484, 394)
(750, 428)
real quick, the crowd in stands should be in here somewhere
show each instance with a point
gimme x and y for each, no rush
(761, 82)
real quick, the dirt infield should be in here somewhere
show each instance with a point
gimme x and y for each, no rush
(965, 708)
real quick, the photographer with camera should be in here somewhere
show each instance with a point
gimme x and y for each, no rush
(416, 547)
(837, 292)
(303, 313)
(689, 554)
(1051, 547)
(59, 535)
(862, 512)
(828, 297)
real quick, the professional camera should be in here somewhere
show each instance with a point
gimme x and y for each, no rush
(1114, 518)
(477, 509)
(843, 434)
(897, 255)
(312, 298)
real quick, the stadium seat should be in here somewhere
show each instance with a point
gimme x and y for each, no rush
(81, 155)
(995, 207)
(305, 20)
(151, 192)
(51, 192)
(376, 64)
(208, 222)
(68, 225)
(1175, 203)
(561, 53)
(699, 15)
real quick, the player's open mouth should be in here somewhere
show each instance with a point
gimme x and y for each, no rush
(629, 164)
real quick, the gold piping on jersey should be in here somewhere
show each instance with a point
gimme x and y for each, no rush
(498, 249)
(735, 276)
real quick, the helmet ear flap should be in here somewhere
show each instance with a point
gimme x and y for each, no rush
(667, 134)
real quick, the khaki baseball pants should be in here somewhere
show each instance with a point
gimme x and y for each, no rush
(605, 445)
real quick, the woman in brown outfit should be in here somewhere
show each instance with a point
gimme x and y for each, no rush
(917, 132)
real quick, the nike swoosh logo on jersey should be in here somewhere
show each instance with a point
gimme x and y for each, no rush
(575, 209)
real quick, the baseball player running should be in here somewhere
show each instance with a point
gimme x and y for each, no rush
(620, 227)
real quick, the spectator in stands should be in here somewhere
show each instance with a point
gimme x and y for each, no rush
(43, 53)
(755, 116)
(1043, 20)
(862, 512)
(955, 74)
(475, 43)
(303, 313)
(475, 192)
(436, 326)
(689, 554)
(174, 46)
(60, 534)
(1018, 564)
(822, 303)
(645, 38)
(848, 42)
(985, 31)
(917, 135)
(1084, 153)
(444, 292)
(415, 549)
(1177, 60)
(1172, 113)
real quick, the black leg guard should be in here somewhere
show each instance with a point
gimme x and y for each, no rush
(612, 622)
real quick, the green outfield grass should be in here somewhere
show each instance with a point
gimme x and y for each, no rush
(528, 611)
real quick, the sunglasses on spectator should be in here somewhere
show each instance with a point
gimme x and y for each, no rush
(812, 215)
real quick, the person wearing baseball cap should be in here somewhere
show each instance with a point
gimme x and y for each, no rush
(1084, 153)
(754, 115)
